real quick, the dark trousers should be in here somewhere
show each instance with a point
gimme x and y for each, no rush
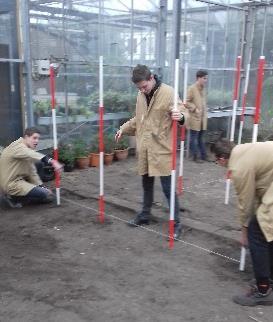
(197, 144)
(148, 195)
(36, 195)
(261, 252)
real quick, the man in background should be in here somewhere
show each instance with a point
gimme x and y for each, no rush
(19, 179)
(197, 106)
(152, 126)
(251, 167)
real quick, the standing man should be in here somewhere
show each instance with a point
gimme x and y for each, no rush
(152, 126)
(196, 104)
(251, 167)
(18, 175)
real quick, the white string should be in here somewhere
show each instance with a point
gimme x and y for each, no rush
(155, 232)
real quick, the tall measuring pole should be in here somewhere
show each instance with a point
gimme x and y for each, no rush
(242, 117)
(55, 141)
(101, 143)
(180, 183)
(233, 120)
(235, 97)
(259, 92)
(177, 18)
(250, 21)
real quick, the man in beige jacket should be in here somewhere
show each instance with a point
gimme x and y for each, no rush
(196, 104)
(152, 126)
(251, 167)
(18, 175)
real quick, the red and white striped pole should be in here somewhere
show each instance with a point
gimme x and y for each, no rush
(101, 143)
(235, 97)
(255, 130)
(242, 118)
(55, 141)
(258, 98)
(174, 143)
(233, 120)
(182, 136)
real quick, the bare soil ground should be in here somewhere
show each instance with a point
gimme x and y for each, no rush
(59, 264)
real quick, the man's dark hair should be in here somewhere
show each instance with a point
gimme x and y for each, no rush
(222, 148)
(31, 130)
(201, 73)
(141, 73)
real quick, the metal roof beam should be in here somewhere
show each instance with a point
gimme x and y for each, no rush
(221, 4)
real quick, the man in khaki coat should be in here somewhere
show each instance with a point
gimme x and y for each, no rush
(251, 167)
(196, 104)
(18, 175)
(152, 126)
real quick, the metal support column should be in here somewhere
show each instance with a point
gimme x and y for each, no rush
(65, 68)
(132, 34)
(25, 27)
(161, 35)
(250, 22)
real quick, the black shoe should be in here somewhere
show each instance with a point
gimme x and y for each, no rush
(196, 160)
(138, 221)
(206, 159)
(177, 230)
(254, 297)
(253, 284)
(11, 202)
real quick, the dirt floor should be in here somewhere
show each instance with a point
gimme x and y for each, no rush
(60, 264)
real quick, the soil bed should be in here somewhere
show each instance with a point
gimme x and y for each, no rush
(60, 264)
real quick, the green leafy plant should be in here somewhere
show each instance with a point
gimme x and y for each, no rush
(66, 154)
(113, 101)
(80, 148)
(109, 143)
(42, 108)
(94, 144)
(122, 144)
(217, 98)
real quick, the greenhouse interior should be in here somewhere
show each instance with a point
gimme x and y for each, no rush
(136, 160)
(73, 34)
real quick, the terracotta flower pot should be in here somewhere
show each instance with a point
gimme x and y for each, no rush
(82, 162)
(121, 154)
(90, 159)
(94, 160)
(108, 158)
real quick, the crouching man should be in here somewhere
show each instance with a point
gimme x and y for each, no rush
(19, 179)
(251, 167)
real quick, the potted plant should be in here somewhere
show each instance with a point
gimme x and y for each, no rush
(94, 155)
(121, 148)
(67, 156)
(81, 154)
(109, 144)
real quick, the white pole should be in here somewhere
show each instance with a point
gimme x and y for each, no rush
(244, 105)
(173, 172)
(255, 133)
(101, 145)
(228, 181)
(242, 259)
(55, 147)
(233, 121)
(54, 125)
(182, 141)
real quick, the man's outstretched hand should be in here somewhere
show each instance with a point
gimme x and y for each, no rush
(118, 135)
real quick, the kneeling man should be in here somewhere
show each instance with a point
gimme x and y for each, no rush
(19, 179)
